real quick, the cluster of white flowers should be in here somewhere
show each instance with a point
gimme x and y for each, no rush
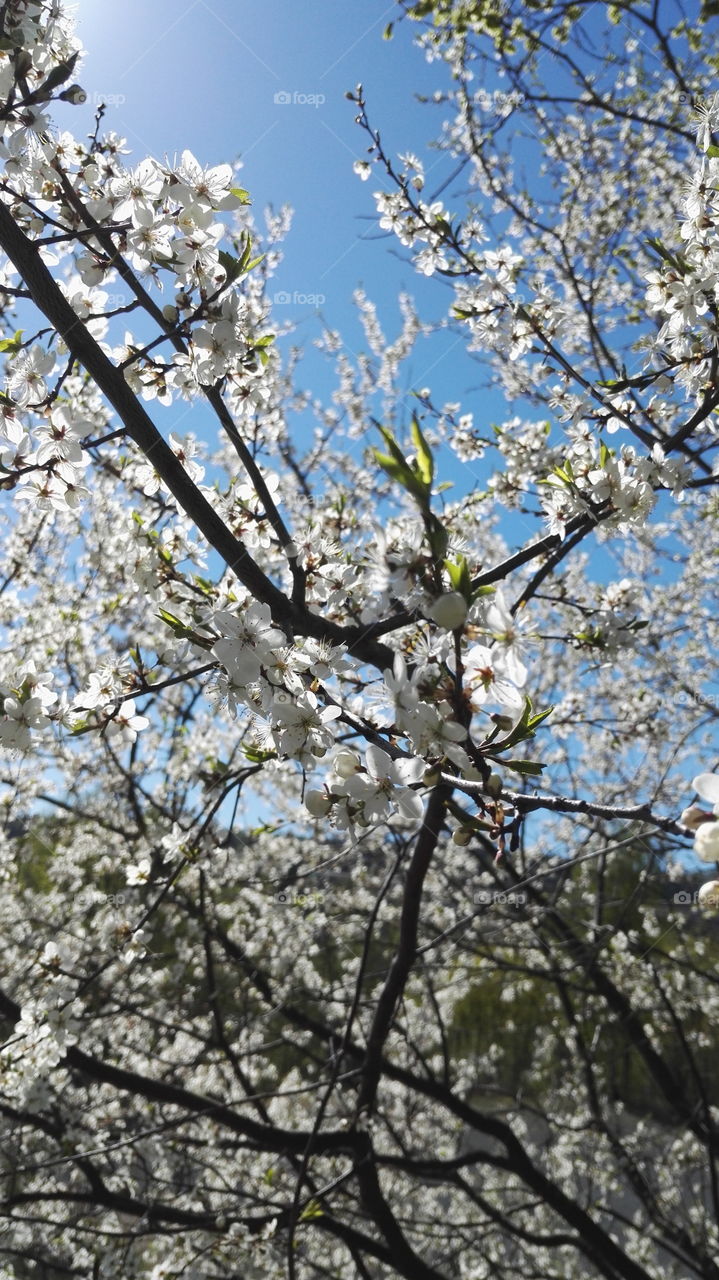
(359, 793)
(107, 706)
(420, 223)
(493, 675)
(489, 303)
(594, 477)
(174, 227)
(683, 289)
(25, 700)
(168, 220)
(271, 678)
(297, 716)
(492, 308)
(47, 1026)
(391, 573)
(48, 462)
(466, 440)
(429, 725)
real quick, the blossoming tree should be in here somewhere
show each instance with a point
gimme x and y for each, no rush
(445, 1009)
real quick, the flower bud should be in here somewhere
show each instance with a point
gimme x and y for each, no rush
(75, 94)
(449, 611)
(317, 803)
(493, 785)
(708, 895)
(503, 723)
(693, 817)
(462, 835)
(706, 842)
(346, 763)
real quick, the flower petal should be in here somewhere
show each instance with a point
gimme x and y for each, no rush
(707, 785)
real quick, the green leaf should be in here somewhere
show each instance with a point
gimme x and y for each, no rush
(311, 1210)
(679, 264)
(393, 468)
(82, 726)
(387, 33)
(231, 264)
(399, 469)
(528, 768)
(256, 756)
(525, 726)
(565, 472)
(58, 75)
(394, 448)
(592, 636)
(642, 381)
(261, 345)
(169, 618)
(182, 631)
(437, 536)
(246, 261)
(12, 344)
(425, 461)
(459, 577)
(416, 477)
(240, 194)
(533, 721)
